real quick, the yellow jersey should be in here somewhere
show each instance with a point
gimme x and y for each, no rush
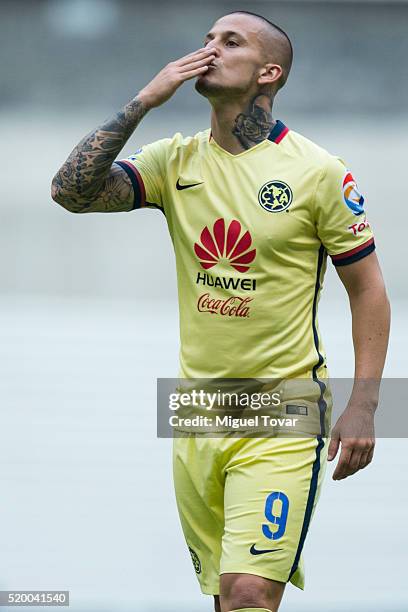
(251, 234)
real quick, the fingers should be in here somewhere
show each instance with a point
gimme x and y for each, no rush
(173, 75)
(355, 455)
(371, 454)
(333, 446)
(363, 461)
(194, 73)
(366, 458)
(196, 55)
(354, 462)
(197, 64)
(341, 468)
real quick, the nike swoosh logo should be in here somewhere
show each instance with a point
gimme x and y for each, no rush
(181, 187)
(255, 551)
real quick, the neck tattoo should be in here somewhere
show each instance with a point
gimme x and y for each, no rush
(254, 127)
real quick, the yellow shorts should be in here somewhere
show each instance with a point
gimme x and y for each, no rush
(245, 504)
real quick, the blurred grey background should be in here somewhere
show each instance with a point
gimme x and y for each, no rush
(88, 302)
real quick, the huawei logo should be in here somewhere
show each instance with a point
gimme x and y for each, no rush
(225, 244)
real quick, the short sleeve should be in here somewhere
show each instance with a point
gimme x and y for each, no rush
(146, 169)
(340, 217)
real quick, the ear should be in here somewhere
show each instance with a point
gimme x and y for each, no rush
(270, 73)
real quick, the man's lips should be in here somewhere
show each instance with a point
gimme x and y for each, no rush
(211, 67)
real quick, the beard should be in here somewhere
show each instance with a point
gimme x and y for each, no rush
(215, 88)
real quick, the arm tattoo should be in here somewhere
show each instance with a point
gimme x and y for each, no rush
(88, 173)
(255, 126)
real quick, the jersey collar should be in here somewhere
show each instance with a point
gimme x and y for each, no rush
(278, 132)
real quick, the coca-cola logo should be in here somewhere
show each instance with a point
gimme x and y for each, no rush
(233, 306)
(225, 244)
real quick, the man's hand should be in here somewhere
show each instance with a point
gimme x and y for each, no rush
(370, 311)
(355, 431)
(168, 80)
(87, 181)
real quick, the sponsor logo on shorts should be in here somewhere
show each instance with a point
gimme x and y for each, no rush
(195, 560)
(275, 196)
(258, 551)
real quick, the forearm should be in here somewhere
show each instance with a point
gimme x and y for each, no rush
(87, 182)
(370, 310)
(81, 178)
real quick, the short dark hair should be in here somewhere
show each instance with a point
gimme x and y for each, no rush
(282, 32)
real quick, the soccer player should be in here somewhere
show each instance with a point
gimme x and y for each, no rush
(253, 209)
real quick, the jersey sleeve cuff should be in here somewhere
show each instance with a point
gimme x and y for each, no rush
(137, 183)
(343, 259)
